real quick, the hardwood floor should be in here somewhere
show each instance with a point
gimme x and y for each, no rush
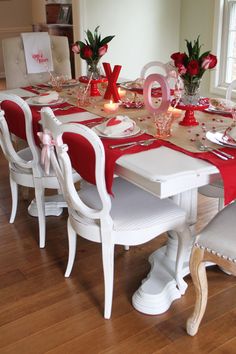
(42, 312)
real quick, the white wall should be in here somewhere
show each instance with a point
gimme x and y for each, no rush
(145, 30)
(38, 11)
(197, 19)
(15, 17)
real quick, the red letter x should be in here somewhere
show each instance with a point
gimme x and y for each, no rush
(112, 77)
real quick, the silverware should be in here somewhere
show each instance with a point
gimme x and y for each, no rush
(132, 143)
(139, 143)
(93, 124)
(60, 108)
(39, 89)
(218, 153)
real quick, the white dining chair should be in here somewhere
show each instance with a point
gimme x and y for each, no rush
(15, 64)
(24, 165)
(216, 189)
(131, 217)
(216, 243)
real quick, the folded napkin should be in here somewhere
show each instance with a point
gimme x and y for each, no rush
(230, 135)
(119, 125)
(46, 97)
(221, 104)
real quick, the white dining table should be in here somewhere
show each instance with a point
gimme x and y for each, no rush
(166, 173)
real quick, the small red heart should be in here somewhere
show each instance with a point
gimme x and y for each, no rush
(113, 121)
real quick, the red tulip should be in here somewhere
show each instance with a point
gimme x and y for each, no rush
(86, 52)
(209, 62)
(178, 58)
(102, 50)
(193, 67)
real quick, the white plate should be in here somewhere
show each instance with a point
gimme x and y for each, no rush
(31, 102)
(218, 138)
(66, 84)
(119, 136)
(130, 85)
(217, 111)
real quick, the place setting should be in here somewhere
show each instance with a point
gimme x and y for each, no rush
(221, 106)
(46, 98)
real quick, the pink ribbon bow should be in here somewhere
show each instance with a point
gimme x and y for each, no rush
(47, 141)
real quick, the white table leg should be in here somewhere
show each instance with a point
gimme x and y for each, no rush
(159, 288)
(53, 206)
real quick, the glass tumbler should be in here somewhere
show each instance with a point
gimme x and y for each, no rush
(83, 96)
(163, 122)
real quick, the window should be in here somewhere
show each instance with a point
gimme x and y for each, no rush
(229, 42)
(224, 45)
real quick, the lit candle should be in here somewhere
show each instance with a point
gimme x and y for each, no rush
(111, 107)
(176, 113)
(121, 92)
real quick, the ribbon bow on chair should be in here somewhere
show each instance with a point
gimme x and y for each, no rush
(47, 141)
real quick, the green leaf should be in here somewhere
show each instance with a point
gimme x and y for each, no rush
(90, 37)
(81, 44)
(106, 40)
(205, 54)
(189, 47)
(96, 29)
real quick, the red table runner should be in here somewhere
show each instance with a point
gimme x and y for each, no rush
(82, 155)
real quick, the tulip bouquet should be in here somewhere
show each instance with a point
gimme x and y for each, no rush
(91, 50)
(192, 65)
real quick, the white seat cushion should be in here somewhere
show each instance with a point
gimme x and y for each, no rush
(128, 213)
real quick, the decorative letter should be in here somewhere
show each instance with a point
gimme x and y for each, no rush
(147, 93)
(112, 78)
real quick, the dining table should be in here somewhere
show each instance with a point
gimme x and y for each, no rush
(171, 168)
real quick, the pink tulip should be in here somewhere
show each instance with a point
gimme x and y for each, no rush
(181, 69)
(209, 62)
(102, 50)
(75, 48)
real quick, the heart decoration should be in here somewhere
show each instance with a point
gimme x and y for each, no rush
(113, 121)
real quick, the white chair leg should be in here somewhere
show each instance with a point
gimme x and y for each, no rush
(40, 202)
(126, 248)
(184, 244)
(221, 204)
(108, 271)
(72, 239)
(14, 197)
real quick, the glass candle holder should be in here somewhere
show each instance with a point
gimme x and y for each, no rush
(163, 124)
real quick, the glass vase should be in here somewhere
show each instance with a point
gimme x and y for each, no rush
(93, 70)
(191, 93)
